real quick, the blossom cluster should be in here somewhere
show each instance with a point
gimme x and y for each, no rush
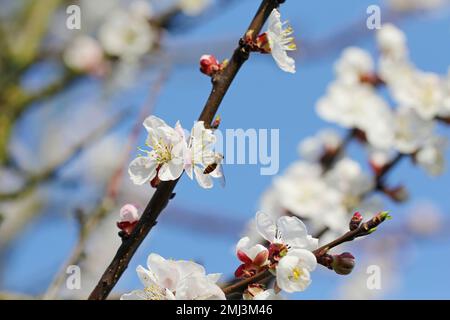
(172, 152)
(126, 33)
(420, 99)
(288, 256)
(324, 197)
(326, 193)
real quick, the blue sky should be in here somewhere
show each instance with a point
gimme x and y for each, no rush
(262, 97)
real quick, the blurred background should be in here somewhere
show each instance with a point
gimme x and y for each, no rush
(71, 121)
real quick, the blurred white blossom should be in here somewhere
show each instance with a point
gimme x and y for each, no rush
(193, 7)
(127, 34)
(85, 54)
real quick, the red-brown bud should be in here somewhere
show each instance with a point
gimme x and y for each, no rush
(209, 65)
(344, 263)
(355, 222)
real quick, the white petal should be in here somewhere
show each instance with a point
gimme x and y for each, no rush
(165, 271)
(134, 295)
(171, 170)
(204, 180)
(146, 277)
(265, 226)
(268, 295)
(307, 258)
(282, 59)
(153, 122)
(243, 244)
(294, 233)
(214, 277)
(142, 170)
(189, 268)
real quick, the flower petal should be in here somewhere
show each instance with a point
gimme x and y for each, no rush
(294, 233)
(134, 295)
(146, 277)
(171, 170)
(142, 170)
(265, 226)
(204, 180)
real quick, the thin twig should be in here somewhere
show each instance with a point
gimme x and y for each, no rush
(47, 174)
(110, 198)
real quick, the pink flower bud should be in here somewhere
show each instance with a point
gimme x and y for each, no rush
(129, 213)
(129, 218)
(209, 64)
(355, 221)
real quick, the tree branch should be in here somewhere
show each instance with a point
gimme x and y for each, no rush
(221, 83)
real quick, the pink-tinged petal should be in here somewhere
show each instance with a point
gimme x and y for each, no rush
(242, 256)
(261, 258)
(239, 273)
(129, 213)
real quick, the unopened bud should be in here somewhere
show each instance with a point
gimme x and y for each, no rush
(384, 215)
(355, 222)
(216, 123)
(209, 65)
(156, 181)
(129, 217)
(344, 263)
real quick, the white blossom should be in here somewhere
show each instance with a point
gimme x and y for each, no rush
(199, 155)
(280, 41)
(353, 64)
(175, 280)
(431, 156)
(313, 148)
(193, 7)
(423, 92)
(411, 131)
(166, 157)
(84, 54)
(293, 270)
(127, 35)
(358, 106)
(348, 177)
(392, 42)
(302, 191)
